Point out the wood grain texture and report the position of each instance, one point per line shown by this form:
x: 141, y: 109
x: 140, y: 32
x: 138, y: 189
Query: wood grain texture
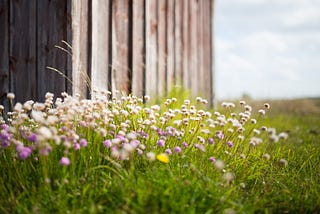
x: 170, y: 45
x: 120, y: 41
x: 178, y: 43
x: 193, y: 51
x: 138, y: 48
x: 23, y: 53
x: 212, y: 53
x: 4, y: 53
x: 151, y: 48
x: 162, y: 47
x: 206, y: 51
x: 49, y: 36
x: 80, y: 46
x: 100, y: 44
x: 186, y: 78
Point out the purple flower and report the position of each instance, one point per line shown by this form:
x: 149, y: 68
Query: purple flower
x: 135, y: 143
x: 33, y: 137
x: 212, y: 159
x: 200, y: 147
x: 107, y: 143
x: 4, y: 127
x: 220, y: 135
x: 140, y: 152
x: 120, y: 137
x: 24, y: 153
x: 44, y: 151
x: 160, y: 133
x: 76, y: 146
x: 210, y: 140
x: 184, y: 144
x: 230, y: 144
x: 160, y: 143
x: 177, y: 149
x: 168, y: 151
x: 83, y: 142
x: 64, y: 161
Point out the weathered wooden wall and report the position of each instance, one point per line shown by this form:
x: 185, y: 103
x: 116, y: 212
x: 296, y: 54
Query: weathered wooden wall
x: 29, y: 31
x: 145, y: 46
x: 135, y: 46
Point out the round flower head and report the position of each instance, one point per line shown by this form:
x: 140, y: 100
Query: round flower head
x: 212, y: 159
x: 160, y: 143
x: 163, y: 157
x: 184, y: 144
x: 24, y: 153
x: 177, y: 149
x: 83, y: 142
x: 64, y: 161
x: 107, y: 143
x: 230, y: 144
x: 210, y: 141
x: 283, y: 162
x: 168, y: 151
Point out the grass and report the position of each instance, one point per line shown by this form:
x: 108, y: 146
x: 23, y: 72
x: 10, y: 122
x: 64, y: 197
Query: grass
x: 130, y: 179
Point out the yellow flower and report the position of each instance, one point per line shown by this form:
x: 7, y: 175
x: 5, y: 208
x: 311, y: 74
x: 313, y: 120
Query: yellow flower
x: 163, y: 158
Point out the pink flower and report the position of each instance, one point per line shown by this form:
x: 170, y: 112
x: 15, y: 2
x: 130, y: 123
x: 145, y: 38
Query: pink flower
x: 64, y: 161
x: 177, y: 149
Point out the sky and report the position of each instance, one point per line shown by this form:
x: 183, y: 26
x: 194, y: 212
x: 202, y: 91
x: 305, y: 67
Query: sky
x: 267, y: 48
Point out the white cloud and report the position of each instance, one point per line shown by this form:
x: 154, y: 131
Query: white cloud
x: 268, y: 48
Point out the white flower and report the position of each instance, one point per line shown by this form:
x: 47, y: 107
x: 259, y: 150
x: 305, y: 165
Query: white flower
x: 151, y: 156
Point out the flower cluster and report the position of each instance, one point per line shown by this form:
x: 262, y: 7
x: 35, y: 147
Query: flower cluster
x: 126, y: 128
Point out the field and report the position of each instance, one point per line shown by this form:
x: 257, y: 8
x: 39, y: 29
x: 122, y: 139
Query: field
x: 173, y: 156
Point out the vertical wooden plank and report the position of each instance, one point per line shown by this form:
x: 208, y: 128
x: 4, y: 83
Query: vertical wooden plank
x: 23, y: 49
x: 138, y: 66
x: 193, y: 53
x: 200, y: 48
x: 120, y: 42
x: 100, y: 44
x: 206, y: 53
x: 68, y: 26
x: 178, y: 44
x: 80, y: 49
x: 186, y: 42
x: 51, y: 30
x: 151, y: 47
x: 4, y: 53
x: 170, y: 45
x: 162, y: 47
x: 212, y: 62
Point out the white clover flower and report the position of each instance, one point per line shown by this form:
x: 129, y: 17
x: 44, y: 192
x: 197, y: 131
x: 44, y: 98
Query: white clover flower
x: 131, y: 136
x: 262, y: 112
x: 248, y: 108
x: 151, y: 156
x: 44, y: 133
x: 228, y: 177
x: 266, y: 105
x: 266, y: 156
x: 283, y: 162
x: 283, y: 135
x: 274, y: 138
x: 11, y: 96
x: 242, y: 102
x: 38, y: 116
x: 39, y: 106
x: 219, y: 164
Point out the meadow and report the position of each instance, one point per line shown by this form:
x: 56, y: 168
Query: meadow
x: 174, y: 155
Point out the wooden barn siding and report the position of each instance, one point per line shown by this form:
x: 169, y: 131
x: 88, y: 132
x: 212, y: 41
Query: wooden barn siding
x: 151, y: 46
x: 136, y: 46
x: 29, y: 31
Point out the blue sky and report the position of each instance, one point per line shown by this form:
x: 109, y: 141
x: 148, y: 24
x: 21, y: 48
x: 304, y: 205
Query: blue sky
x: 267, y: 48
